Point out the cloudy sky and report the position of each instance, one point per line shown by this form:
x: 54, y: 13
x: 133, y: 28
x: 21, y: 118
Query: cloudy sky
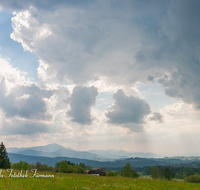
x: 101, y: 74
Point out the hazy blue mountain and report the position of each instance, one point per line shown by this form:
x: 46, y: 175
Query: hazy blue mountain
x: 109, y: 154
x: 48, y: 148
x: 30, y: 152
x: 15, y: 150
x: 79, y: 154
x: 55, y: 150
x: 64, y: 152
x: 119, y: 154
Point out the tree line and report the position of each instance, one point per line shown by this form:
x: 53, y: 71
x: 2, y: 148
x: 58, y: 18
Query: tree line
x: 22, y: 165
x: 176, y: 172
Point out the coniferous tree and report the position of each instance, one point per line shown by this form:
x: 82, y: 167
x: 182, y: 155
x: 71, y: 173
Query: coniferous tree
x: 4, y: 159
x: 82, y: 165
x: 161, y: 173
x: 154, y: 172
x: 127, y: 171
x: 168, y: 174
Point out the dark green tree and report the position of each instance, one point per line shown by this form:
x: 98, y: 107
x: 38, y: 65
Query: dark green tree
x: 147, y: 171
x: 56, y: 168
x: 44, y: 167
x: 135, y: 174
x: 63, y: 167
x: 161, y: 173
x: 168, y: 173
x: 38, y: 166
x: 31, y: 166
x: 4, y: 159
x: 127, y: 171
x: 154, y: 172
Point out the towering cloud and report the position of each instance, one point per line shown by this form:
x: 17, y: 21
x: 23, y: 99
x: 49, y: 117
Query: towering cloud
x: 127, y: 109
x: 81, y: 101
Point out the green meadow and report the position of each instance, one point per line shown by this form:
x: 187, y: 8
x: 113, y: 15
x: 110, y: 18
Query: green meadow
x: 84, y: 181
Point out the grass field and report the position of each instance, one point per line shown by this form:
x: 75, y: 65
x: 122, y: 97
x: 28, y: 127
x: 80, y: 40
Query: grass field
x: 83, y: 181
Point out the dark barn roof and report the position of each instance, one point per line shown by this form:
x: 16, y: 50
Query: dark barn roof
x: 97, y: 171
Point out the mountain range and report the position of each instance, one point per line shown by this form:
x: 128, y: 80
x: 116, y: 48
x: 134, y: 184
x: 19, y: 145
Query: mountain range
x: 55, y: 150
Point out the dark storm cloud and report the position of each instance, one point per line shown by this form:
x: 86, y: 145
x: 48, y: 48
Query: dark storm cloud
x: 157, y: 117
x: 172, y: 55
x: 127, y: 109
x: 181, y: 25
x: 24, y: 101
x: 184, y: 85
x: 81, y: 101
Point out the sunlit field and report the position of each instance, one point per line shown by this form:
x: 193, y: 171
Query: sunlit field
x: 83, y: 181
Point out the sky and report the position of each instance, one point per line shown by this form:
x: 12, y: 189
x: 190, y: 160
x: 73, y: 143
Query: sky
x: 101, y: 74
